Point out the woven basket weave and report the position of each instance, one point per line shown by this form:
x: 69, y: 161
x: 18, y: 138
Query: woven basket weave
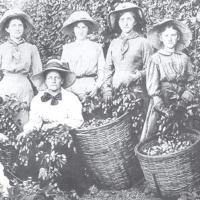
x: 173, y: 173
x: 108, y: 153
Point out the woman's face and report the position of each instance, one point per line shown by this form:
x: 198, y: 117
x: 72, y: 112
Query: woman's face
x: 15, y: 28
x: 127, y: 22
x: 81, y: 31
x: 53, y: 81
x: 169, y: 37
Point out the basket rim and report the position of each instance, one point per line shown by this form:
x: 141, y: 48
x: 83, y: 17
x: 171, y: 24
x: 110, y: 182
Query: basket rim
x: 137, y: 152
x: 104, y: 125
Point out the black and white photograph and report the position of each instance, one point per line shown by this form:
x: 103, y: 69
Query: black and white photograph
x: 99, y: 99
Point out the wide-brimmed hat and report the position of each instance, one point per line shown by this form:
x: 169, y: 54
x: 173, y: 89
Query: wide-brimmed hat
x: 123, y: 7
x: 12, y: 13
x: 185, y: 34
x: 55, y: 65
x: 79, y: 16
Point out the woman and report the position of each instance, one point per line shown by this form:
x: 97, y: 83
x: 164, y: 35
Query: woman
x: 168, y: 70
x: 128, y: 54
x: 85, y: 58
x: 54, y: 105
x: 18, y: 58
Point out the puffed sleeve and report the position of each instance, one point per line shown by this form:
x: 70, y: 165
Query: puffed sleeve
x: 0, y: 56
x: 153, y: 80
x: 109, y: 70
x: 189, y: 70
x: 188, y: 93
x: 35, y: 121
x: 64, y: 55
x: 36, y: 66
x: 101, y: 67
x: 147, y: 51
x: 73, y: 118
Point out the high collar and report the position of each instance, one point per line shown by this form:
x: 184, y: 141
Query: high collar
x: 81, y: 41
x: 54, y: 94
x: 131, y: 35
x: 168, y: 53
x: 16, y: 43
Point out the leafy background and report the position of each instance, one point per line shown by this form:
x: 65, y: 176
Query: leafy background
x: 49, y: 15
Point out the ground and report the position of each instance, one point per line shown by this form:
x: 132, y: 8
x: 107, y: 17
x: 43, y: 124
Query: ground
x: 136, y: 192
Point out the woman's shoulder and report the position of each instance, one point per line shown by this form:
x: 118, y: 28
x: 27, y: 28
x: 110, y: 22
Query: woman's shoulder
x: 38, y: 96
x: 69, y: 96
x: 144, y: 41
x: 28, y: 44
x: 5, y: 45
x: 115, y: 40
x: 155, y: 58
x: 66, y: 45
x: 96, y: 44
x: 68, y: 93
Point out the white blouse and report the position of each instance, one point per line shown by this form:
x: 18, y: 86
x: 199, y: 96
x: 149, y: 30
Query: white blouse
x: 85, y: 58
x: 67, y: 112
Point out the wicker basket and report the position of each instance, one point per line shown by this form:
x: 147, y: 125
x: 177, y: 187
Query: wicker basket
x: 173, y: 173
x: 108, y: 153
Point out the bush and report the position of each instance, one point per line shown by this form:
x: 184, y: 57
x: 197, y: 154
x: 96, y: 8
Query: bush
x: 49, y: 15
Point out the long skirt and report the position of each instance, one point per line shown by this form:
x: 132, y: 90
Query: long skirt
x: 19, y: 86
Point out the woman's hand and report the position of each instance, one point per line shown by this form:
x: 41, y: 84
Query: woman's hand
x: 22, y: 135
x: 3, y: 138
x: 187, y: 96
x: 137, y: 75
x: 93, y: 92
x: 107, y: 95
x: 51, y: 125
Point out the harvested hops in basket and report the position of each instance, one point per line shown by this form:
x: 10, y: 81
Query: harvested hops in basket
x: 175, y: 172
x: 107, y: 139
x: 108, y: 152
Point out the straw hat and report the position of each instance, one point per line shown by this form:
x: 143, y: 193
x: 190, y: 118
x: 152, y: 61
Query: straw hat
x: 79, y: 16
x: 185, y: 34
x: 12, y: 13
x: 57, y: 65
x: 122, y: 7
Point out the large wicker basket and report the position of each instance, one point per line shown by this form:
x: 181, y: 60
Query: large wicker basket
x: 173, y: 173
x: 108, y: 153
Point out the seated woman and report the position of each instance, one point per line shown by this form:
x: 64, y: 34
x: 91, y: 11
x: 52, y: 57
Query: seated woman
x: 54, y: 105
x: 169, y: 69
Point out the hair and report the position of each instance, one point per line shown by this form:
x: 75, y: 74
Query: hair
x: 140, y: 23
x: 167, y: 25
x: 19, y: 18
x: 8, y: 22
x: 87, y: 23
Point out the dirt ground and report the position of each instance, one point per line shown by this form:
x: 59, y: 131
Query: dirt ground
x: 136, y: 192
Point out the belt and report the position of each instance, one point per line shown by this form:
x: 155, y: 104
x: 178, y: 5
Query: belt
x: 13, y: 72
x: 87, y: 76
